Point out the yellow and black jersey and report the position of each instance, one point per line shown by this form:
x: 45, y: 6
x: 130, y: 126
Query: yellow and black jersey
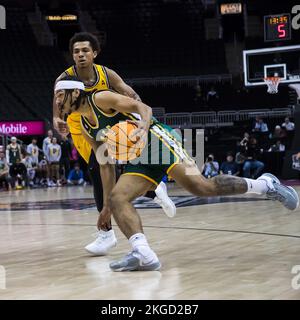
x: 101, y: 83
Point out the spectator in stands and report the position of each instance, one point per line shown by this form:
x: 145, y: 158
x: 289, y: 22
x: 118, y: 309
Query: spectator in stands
x: 210, y: 168
x: 53, y: 154
x: 76, y: 176
x: 33, y: 151
x: 18, y: 174
x: 297, y: 155
x: 245, y: 140
x: 251, y: 163
x: 278, y: 133
x: 277, y: 147
x: 260, y: 125
x: 198, y: 95
x: 27, y: 161
x: 47, y: 141
x: 288, y: 125
x: 290, y: 131
x: 42, y: 172
x: 241, y: 149
x: 65, y: 157
x: 261, y: 131
x: 230, y: 166
x: 3, y: 170
x: 212, y: 97
x: 296, y: 162
x: 13, y: 152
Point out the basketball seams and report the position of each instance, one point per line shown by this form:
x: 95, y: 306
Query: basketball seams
x: 120, y: 150
x: 126, y: 134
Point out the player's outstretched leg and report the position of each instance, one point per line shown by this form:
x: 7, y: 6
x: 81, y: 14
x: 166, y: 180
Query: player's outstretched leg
x: 191, y: 179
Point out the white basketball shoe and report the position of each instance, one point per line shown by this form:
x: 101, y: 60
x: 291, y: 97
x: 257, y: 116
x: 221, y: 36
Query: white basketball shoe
x: 164, y: 201
x: 104, y: 242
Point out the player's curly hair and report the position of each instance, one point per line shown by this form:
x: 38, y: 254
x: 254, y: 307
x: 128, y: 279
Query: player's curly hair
x: 85, y: 36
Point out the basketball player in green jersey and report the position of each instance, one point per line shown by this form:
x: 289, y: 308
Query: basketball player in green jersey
x: 102, y: 110
x: 84, y: 48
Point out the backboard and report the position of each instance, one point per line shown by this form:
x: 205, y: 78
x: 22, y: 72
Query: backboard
x: 283, y: 62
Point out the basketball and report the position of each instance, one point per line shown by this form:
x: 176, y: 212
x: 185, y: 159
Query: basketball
x: 121, y: 142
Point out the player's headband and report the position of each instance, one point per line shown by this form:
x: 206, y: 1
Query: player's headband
x: 68, y: 84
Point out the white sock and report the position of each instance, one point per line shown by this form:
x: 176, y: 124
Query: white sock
x: 140, y: 244
x: 256, y: 186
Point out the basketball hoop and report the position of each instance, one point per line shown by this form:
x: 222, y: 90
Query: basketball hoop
x: 272, y: 83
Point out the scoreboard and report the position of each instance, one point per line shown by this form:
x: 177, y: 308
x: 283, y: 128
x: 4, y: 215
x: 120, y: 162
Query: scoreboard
x: 277, y: 27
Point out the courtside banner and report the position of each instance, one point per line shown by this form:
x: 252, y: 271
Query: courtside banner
x: 22, y: 128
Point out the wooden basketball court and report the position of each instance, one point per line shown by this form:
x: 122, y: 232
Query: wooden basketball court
x: 227, y: 250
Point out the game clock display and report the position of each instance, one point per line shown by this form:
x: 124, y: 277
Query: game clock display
x: 277, y: 27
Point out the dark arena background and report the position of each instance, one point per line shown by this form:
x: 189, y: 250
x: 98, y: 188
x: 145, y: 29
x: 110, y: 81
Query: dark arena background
x: 206, y: 68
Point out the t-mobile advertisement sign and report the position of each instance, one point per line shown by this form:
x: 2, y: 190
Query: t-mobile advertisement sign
x: 22, y: 128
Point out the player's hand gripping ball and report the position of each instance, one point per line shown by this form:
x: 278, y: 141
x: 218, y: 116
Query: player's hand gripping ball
x: 124, y: 141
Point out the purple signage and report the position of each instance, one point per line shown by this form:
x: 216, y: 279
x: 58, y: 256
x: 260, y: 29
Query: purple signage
x: 22, y: 128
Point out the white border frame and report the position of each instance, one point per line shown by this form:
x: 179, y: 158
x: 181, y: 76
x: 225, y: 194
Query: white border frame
x: 270, y: 50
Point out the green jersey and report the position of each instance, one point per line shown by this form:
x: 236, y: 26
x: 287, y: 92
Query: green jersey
x: 157, y: 158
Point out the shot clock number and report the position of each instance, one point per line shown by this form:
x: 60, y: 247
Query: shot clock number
x: 281, y: 31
